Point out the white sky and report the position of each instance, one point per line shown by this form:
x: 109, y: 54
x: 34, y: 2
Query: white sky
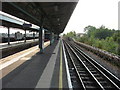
x: 95, y: 13
x: 91, y: 12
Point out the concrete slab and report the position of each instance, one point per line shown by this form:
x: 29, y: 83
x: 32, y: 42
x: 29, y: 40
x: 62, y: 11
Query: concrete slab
x: 56, y: 75
x: 39, y: 71
x: 45, y: 79
x: 28, y: 73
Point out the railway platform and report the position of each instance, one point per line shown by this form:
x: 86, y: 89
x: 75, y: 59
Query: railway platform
x: 61, y: 65
x: 36, y: 70
x: 5, y: 45
x: 55, y: 64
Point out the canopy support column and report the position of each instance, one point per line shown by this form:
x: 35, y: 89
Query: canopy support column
x: 50, y: 37
x: 41, y: 36
x: 25, y: 36
x: 8, y: 35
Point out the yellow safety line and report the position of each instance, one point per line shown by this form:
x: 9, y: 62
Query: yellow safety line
x: 60, y: 72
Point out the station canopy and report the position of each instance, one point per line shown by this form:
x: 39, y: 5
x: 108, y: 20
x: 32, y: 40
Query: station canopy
x: 53, y: 16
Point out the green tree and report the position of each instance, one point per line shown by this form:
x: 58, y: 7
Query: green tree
x: 118, y: 48
x: 116, y: 35
x: 71, y: 34
x: 90, y: 30
x: 103, y: 33
x: 103, y: 38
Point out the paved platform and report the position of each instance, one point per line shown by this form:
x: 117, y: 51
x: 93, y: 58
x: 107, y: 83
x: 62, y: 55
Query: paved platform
x: 46, y: 70
x: 9, y: 63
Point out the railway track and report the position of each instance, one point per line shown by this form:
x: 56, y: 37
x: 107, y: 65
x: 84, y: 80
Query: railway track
x: 86, y: 73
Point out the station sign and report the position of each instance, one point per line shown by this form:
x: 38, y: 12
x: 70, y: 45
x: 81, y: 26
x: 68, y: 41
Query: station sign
x: 25, y: 25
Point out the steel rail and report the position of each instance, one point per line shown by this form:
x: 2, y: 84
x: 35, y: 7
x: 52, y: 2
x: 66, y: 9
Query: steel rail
x: 99, y: 65
x: 67, y: 69
x: 75, y: 67
x: 85, y: 56
x: 86, y: 67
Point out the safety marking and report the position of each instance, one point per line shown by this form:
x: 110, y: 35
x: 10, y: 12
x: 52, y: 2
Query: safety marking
x: 46, y: 77
x: 16, y: 59
x: 67, y: 69
x: 3, y: 65
x: 60, y: 72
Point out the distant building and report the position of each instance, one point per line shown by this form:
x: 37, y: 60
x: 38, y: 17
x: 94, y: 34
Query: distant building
x: 80, y: 34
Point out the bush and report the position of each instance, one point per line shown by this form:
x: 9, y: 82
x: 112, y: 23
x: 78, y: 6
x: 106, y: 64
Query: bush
x: 102, y: 38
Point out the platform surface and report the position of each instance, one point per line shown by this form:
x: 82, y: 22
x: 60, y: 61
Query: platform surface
x: 45, y: 70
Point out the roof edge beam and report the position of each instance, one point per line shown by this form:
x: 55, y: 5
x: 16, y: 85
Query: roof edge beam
x: 24, y: 11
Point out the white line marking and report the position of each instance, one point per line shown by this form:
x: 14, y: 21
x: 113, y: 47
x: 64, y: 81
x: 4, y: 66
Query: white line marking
x: 18, y: 58
x: 67, y: 70
x: 45, y: 79
x: 15, y: 59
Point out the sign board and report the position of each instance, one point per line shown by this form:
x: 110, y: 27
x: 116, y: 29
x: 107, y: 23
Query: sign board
x: 25, y: 25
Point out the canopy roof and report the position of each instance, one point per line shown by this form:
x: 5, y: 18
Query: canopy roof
x: 55, y: 15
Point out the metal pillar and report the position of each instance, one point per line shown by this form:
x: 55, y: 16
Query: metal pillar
x: 50, y: 38
x: 25, y: 36
x: 33, y: 36
x: 57, y: 36
x: 41, y: 39
x: 53, y: 37
x: 8, y: 35
x: 36, y: 35
x: 41, y: 35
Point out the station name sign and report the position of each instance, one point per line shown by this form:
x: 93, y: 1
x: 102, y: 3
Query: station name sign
x: 25, y: 25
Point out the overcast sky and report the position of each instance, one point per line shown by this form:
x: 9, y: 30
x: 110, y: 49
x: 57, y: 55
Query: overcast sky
x: 95, y: 13
x: 92, y: 12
